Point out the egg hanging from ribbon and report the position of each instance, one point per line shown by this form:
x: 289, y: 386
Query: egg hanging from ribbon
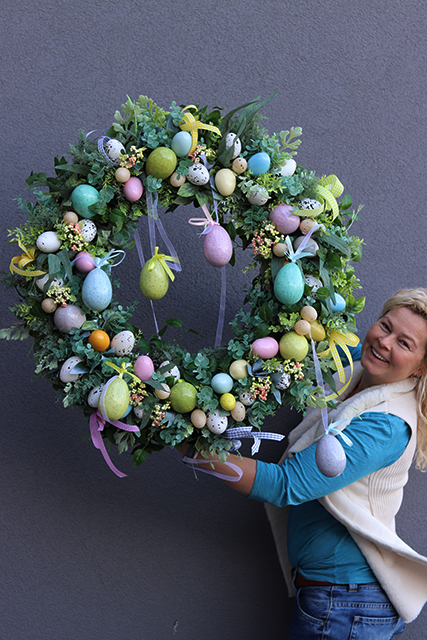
x: 97, y: 290
x: 330, y: 456
x: 153, y: 281
x: 217, y: 246
x: 289, y: 284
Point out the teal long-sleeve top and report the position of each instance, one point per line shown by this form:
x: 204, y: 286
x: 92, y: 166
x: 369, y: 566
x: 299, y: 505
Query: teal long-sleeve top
x: 319, y: 546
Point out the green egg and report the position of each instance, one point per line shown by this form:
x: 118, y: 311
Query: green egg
x: 289, y: 284
x: 183, y: 397
x: 153, y: 283
x: 293, y: 346
x: 114, y: 399
x: 161, y: 163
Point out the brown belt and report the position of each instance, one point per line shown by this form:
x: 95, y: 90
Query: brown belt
x: 300, y: 581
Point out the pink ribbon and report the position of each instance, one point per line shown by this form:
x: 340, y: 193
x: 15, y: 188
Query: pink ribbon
x: 97, y: 424
x: 208, y: 221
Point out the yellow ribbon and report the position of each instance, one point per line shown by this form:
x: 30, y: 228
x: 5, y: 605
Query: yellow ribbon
x: 328, y: 190
x: 22, y: 261
x: 161, y: 257
x: 123, y: 369
x: 193, y: 125
x: 342, y: 339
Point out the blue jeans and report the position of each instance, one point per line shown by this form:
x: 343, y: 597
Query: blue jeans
x: 350, y: 612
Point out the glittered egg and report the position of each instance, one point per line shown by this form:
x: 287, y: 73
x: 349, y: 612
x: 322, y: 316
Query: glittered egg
x: 94, y: 395
x: 97, y: 291
x: 239, y: 165
x: 238, y: 369
x: 217, y: 246
x: 289, y: 284
x: 232, y: 140
x: 123, y: 343
x: 246, y: 398
x: 48, y: 242
x: 113, y: 149
x: 144, y: 368
x: 288, y: 169
x: 338, y: 305
x: 114, y: 399
x: 283, y: 219
x: 69, y: 317
x: 238, y: 412
x: 293, y: 346
x: 198, y: 418
x: 258, y: 197
x: 222, y: 383
x: 183, y: 397
x: 330, y: 456
x: 84, y: 262
x: 313, y: 282
x: 225, y: 182
x: 259, y: 163
x: 215, y: 422
x: 82, y: 197
x: 161, y: 163
x: 181, y: 143
x: 65, y: 374
x: 89, y: 229
x: 265, y: 348
x: 198, y: 174
x: 132, y: 189
x: 311, y: 247
x: 153, y: 281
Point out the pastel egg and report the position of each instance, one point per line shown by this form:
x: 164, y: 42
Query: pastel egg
x: 161, y: 163
x: 307, y: 224
x: 144, y: 368
x: 48, y: 242
x: 232, y: 140
x: 49, y: 306
x: 181, y: 143
x: 198, y: 174
x: 69, y: 317
x: 183, y: 397
x: 317, y: 331
x: 280, y: 249
x: 302, y: 327
x: 94, y: 395
x: 84, y: 262
x: 132, y: 189
x: 222, y: 383
x: 330, y: 456
x: 259, y: 196
x: 217, y: 246
x: 238, y: 369
x: 113, y: 149
x: 65, y: 374
x: 177, y: 180
x: 163, y: 393
x: 289, y: 284
x: 82, y: 197
x: 283, y: 219
x: 173, y: 372
x: 215, y: 422
x: 114, y: 399
x: 311, y: 247
x: 122, y: 174
x: 338, y: 305
x: 239, y: 165
x: 97, y: 291
x: 123, y: 343
x: 70, y: 217
x: 238, y: 412
x: 246, y: 398
x: 225, y: 182
x: 288, y: 169
x: 259, y: 163
x: 293, y: 346
x: 42, y: 281
x: 308, y: 313
x: 265, y: 347
x: 153, y: 281
x: 89, y: 229
x: 313, y: 282
x: 198, y: 418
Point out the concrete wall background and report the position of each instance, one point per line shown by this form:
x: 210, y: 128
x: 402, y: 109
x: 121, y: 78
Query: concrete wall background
x: 161, y: 554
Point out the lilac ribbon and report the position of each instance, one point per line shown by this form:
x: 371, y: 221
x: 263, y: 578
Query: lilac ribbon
x: 246, y: 432
x: 153, y: 222
x: 191, y: 462
x: 97, y: 424
x: 207, y: 221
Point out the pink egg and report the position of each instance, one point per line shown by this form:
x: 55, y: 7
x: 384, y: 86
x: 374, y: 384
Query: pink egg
x: 265, y: 348
x: 85, y: 262
x: 283, y: 219
x: 144, y: 367
x: 132, y: 189
x: 217, y: 246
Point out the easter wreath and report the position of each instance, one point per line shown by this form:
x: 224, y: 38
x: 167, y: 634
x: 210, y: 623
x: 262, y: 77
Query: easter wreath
x: 143, y: 393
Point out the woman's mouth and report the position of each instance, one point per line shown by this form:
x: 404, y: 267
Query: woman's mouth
x: 377, y: 355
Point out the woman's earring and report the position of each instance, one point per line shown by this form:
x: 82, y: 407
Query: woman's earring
x: 416, y: 376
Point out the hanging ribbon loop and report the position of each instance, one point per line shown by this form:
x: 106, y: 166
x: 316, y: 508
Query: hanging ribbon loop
x: 192, y: 125
x: 161, y: 259
x: 97, y: 424
x: 208, y: 222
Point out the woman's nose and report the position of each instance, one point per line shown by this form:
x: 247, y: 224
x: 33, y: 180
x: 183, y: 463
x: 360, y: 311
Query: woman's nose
x: 386, y: 341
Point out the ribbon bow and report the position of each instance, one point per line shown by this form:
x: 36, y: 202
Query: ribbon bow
x: 208, y: 221
x: 97, y: 424
x: 328, y: 190
x: 22, y: 261
x: 342, y: 339
x: 235, y: 433
x: 123, y: 369
x: 300, y: 253
x: 161, y: 257
x: 193, y: 125
x: 332, y: 430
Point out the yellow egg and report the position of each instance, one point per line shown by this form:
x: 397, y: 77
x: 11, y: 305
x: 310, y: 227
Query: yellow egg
x: 302, y: 327
x: 198, y: 418
x: 154, y: 282
x: 293, y: 346
x: 238, y: 369
x: 308, y: 313
x: 238, y: 412
x: 114, y: 399
x: 317, y: 331
x: 225, y: 182
x: 227, y: 401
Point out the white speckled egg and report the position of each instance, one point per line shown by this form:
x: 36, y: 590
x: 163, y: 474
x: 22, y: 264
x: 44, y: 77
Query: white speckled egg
x: 65, y: 374
x: 246, y: 398
x: 233, y: 139
x: 313, y: 282
x: 330, y: 456
x: 42, y: 281
x: 288, y: 169
x: 123, y: 343
x: 198, y: 174
x: 112, y: 149
x: 238, y: 412
x: 139, y: 412
x: 259, y: 197
x: 174, y: 371
x: 309, y: 203
x: 284, y: 382
x: 89, y: 229
x: 215, y: 422
x: 94, y: 396
x: 48, y: 242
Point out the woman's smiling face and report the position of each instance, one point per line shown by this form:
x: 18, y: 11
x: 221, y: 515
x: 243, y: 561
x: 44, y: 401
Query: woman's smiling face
x: 394, y: 348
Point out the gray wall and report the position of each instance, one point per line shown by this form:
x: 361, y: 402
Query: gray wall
x: 161, y: 554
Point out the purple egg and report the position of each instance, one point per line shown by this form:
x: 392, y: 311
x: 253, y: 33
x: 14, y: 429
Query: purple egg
x: 69, y: 317
x: 330, y: 456
x: 283, y: 219
x: 132, y: 189
x: 217, y: 246
x: 85, y: 262
x: 265, y: 348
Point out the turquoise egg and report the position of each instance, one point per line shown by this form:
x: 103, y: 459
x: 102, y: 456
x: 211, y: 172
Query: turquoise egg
x: 339, y: 303
x: 181, y: 143
x: 97, y: 291
x: 289, y: 284
x: 82, y: 197
x: 222, y: 383
x: 259, y: 163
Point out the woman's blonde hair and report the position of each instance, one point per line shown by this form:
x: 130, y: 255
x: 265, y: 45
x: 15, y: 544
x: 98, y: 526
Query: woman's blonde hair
x: 416, y: 301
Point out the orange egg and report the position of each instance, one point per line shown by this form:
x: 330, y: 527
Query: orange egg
x: 99, y: 340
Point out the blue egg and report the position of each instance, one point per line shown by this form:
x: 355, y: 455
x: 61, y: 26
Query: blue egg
x: 289, y: 284
x: 97, y: 291
x: 82, y: 197
x: 181, y: 143
x: 339, y: 303
x: 259, y: 163
x: 222, y: 383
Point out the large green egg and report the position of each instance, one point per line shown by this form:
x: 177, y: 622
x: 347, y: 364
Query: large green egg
x: 153, y: 283
x: 161, y: 163
x: 82, y: 197
x: 289, y: 284
x: 183, y: 397
x: 114, y: 399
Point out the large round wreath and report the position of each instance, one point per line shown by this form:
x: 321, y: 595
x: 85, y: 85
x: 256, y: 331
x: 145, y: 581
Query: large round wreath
x: 143, y: 393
